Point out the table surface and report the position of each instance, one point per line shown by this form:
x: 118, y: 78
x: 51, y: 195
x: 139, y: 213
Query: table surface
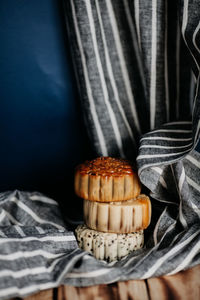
x: 184, y: 285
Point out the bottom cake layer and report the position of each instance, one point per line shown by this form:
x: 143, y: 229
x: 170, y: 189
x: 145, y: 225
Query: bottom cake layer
x: 108, y: 246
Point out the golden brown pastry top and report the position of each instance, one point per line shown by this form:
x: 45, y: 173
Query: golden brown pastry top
x: 106, y: 166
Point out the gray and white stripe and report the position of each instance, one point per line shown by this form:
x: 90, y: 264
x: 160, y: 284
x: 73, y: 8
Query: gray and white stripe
x: 159, y: 34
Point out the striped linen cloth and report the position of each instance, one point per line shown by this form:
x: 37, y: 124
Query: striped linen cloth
x: 137, y: 67
x: 35, y: 246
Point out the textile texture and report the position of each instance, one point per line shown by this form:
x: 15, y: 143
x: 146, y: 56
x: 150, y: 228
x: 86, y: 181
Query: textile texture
x: 137, y: 67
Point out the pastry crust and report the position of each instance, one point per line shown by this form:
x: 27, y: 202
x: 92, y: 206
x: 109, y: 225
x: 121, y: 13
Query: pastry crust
x: 118, y: 217
x: 108, y: 246
x: 107, y: 179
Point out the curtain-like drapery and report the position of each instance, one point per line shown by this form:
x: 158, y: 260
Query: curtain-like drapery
x: 137, y: 66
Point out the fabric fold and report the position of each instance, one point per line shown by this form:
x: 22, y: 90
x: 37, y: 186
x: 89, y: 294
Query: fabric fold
x: 143, y: 56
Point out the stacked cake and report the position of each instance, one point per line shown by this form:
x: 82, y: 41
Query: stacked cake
x: 115, y: 213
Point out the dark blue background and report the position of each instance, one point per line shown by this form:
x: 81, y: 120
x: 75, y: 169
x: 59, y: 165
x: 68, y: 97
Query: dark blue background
x: 41, y: 134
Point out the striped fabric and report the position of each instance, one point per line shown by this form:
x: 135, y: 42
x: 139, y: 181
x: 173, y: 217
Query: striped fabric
x: 35, y: 246
x: 137, y: 68
x: 133, y: 66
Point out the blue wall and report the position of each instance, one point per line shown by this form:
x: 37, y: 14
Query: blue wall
x: 41, y: 134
